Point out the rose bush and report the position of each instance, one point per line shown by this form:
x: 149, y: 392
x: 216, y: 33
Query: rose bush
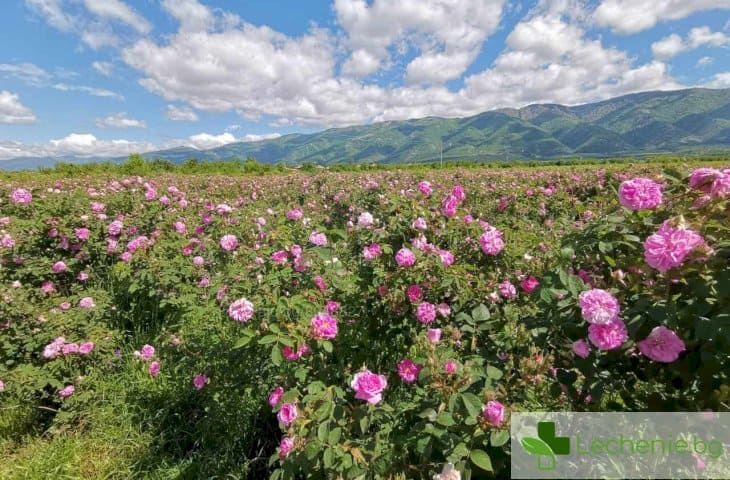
x: 344, y: 325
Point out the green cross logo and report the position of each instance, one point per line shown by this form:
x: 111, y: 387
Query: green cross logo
x: 546, y: 445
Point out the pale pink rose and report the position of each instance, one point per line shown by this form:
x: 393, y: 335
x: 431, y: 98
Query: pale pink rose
x: 369, y: 386
x: 662, y: 345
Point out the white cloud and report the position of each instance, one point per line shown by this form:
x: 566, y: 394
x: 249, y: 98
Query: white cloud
x: 120, y: 120
x: 25, y: 72
x: 631, y: 16
x: 181, y: 114
x: 720, y: 80
x: 105, y: 68
x: 704, y: 61
x: 549, y: 57
x: 120, y: 11
x: 203, y: 141
x: 193, y: 16
x: 98, y: 38
x: 97, y: 92
x: 697, y: 37
x: 97, y: 23
x: 252, y: 137
x: 12, y: 111
x: 668, y: 47
x: 52, y: 12
x: 447, y: 33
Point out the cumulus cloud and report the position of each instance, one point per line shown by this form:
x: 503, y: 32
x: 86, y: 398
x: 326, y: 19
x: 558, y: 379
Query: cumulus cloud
x: 672, y: 45
x: 203, y: 141
x: 549, y: 56
x: 632, y: 16
x: 78, y: 144
x: 181, y: 114
x: 720, y: 80
x: 12, y: 111
x: 447, y: 33
x: 120, y: 120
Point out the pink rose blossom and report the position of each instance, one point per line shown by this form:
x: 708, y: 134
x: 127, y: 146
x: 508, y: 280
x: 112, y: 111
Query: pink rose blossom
x: 530, y: 284
x: 66, y: 391
x: 491, y: 241
x: 415, y: 293
x: 408, y: 370
x: 285, y: 446
x: 58, y: 267
x: 640, y: 194
x: 21, y: 196
x: 493, y: 411
x: 241, y: 310
x: 154, y: 368
x: 86, y: 348
x: 450, y: 367
x: 598, y: 306
x: 581, y: 348
x: 229, y: 242
x: 87, y: 302
x: 287, y: 414
x: 607, y: 336
x: 323, y: 326
x: 199, y: 381
x: 369, y: 386
x: 371, y: 252
x: 405, y: 258
x: 434, y: 335
x: 670, y: 246
x: 662, y: 345
x: 275, y: 396
x: 318, y: 239
x: 426, y: 312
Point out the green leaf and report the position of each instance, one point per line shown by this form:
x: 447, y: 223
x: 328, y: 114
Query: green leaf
x: 481, y: 459
x: 268, y: 339
x: 498, y: 437
x: 276, y: 357
x: 535, y: 446
x: 242, y: 342
x: 494, y: 372
x: 327, y: 346
x: 445, y: 419
x: 472, y: 403
x: 334, y: 435
x: 323, y: 432
x: 480, y: 313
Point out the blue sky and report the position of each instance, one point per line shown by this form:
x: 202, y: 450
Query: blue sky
x: 110, y: 77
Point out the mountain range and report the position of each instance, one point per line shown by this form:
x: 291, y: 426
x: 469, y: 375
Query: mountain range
x: 690, y: 120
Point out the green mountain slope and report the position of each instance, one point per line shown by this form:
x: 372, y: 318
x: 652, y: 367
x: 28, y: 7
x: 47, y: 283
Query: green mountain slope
x: 648, y: 122
x: 696, y: 119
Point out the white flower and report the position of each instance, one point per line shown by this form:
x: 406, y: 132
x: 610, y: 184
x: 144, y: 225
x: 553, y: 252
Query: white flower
x: 448, y: 473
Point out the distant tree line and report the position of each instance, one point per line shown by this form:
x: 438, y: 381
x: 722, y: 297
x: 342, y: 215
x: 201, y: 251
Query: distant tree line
x: 138, y: 165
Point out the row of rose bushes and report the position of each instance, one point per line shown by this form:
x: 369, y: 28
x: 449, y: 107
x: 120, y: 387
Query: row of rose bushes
x: 403, y: 320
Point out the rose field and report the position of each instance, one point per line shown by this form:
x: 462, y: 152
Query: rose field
x: 350, y: 325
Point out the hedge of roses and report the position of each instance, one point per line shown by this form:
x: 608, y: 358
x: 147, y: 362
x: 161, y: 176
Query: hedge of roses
x: 384, y: 325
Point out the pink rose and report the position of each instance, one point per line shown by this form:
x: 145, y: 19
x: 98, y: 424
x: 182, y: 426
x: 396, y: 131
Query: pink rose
x: 287, y: 414
x: 369, y: 386
x: 493, y: 411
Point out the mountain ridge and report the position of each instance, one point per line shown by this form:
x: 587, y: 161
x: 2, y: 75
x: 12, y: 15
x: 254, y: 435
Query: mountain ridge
x: 672, y: 121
